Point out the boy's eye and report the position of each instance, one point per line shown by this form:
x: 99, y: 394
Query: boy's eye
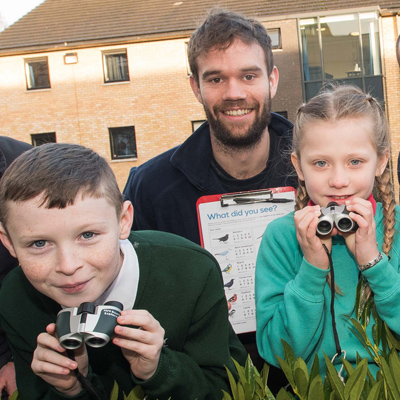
x: 39, y: 243
x: 87, y: 235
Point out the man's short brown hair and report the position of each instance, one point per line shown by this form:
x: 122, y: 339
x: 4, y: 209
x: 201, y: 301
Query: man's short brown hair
x: 220, y: 29
x: 58, y: 171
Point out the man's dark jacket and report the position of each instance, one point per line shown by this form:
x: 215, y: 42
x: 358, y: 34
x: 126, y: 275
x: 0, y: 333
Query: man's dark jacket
x: 165, y: 189
x: 10, y: 149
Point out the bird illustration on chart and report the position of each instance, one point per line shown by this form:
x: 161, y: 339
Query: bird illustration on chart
x: 231, y: 312
x: 233, y: 299
x: 229, y: 284
x: 223, y: 253
x: 227, y: 269
x: 222, y: 238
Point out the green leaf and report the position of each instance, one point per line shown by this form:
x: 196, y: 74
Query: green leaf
x: 290, y: 358
x: 250, y: 372
x: 269, y: 395
x: 240, y: 389
x: 136, y: 393
x: 392, y: 338
x: 388, y: 377
x: 241, y: 370
x: 347, y: 367
x: 14, y: 396
x: 356, y: 381
x: 301, y: 377
x: 301, y: 382
x: 332, y: 375
x: 233, y: 385
x: 375, y: 392
x: 394, y: 364
x: 114, y: 391
x: 287, y: 371
x: 284, y: 395
x: 316, y: 390
x: 314, y: 368
x: 227, y: 396
x: 264, y: 377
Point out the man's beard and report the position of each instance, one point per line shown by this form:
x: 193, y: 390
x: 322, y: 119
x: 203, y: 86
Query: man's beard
x: 244, y: 141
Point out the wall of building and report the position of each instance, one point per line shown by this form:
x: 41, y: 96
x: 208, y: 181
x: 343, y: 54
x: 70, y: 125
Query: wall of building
x: 158, y: 100
x: 390, y: 34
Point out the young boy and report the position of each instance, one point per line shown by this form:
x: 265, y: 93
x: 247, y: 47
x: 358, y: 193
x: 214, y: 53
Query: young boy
x: 63, y: 217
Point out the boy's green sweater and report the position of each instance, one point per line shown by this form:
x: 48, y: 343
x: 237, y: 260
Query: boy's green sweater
x: 180, y: 284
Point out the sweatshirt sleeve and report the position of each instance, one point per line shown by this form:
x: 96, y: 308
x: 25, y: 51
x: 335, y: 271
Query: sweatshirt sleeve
x: 289, y: 295
x: 198, y: 371
x: 384, y: 280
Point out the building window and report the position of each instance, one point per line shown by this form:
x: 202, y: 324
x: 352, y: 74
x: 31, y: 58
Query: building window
x: 41, y: 138
x: 37, y: 73
x: 115, y: 64
x: 196, y: 124
x: 123, y: 142
x: 275, y: 35
x: 342, y: 48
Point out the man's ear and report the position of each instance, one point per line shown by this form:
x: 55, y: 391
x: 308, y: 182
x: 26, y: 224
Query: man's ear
x: 5, y: 239
x: 273, y: 82
x: 126, y: 220
x: 297, y: 166
x: 196, y: 89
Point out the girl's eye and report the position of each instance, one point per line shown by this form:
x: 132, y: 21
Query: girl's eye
x: 320, y: 163
x: 87, y: 235
x: 355, y: 162
x: 39, y: 243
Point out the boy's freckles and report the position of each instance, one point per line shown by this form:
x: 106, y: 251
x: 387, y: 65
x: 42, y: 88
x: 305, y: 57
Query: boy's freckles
x: 71, y: 255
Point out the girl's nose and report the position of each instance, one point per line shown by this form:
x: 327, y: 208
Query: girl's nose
x: 338, y: 179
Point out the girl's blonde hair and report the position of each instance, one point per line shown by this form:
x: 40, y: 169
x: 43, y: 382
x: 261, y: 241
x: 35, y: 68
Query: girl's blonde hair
x: 345, y: 102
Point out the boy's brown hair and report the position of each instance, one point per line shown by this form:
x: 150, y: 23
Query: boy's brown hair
x: 58, y: 171
x: 220, y: 29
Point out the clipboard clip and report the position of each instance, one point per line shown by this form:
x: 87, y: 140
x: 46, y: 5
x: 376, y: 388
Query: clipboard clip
x: 262, y: 196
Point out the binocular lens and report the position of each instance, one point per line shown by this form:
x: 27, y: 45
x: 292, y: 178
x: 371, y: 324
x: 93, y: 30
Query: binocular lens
x: 324, y: 227
x: 71, y: 344
x: 96, y: 342
x: 345, y: 224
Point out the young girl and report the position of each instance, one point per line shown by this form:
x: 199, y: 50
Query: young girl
x: 340, y: 151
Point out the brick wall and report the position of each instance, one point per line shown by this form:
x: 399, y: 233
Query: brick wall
x: 392, y: 72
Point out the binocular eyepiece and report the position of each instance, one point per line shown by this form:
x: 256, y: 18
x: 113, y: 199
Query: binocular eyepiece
x: 92, y: 324
x: 335, y: 215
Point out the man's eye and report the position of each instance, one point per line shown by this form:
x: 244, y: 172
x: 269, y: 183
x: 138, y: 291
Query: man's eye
x: 249, y: 77
x: 39, y: 243
x: 87, y: 235
x: 216, y: 80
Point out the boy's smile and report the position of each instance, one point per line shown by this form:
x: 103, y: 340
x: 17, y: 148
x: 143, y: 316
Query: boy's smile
x: 71, y: 255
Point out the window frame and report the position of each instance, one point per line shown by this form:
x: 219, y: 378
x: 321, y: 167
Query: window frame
x: 114, y: 154
x: 41, y: 137
x: 106, y: 75
x: 28, y: 78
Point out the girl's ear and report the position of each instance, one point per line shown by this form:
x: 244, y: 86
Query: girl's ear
x: 5, y: 239
x: 296, y: 164
x: 381, y: 164
x: 126, y: 220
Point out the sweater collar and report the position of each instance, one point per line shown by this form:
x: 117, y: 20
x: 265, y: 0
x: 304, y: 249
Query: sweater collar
x: 370, y: 199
